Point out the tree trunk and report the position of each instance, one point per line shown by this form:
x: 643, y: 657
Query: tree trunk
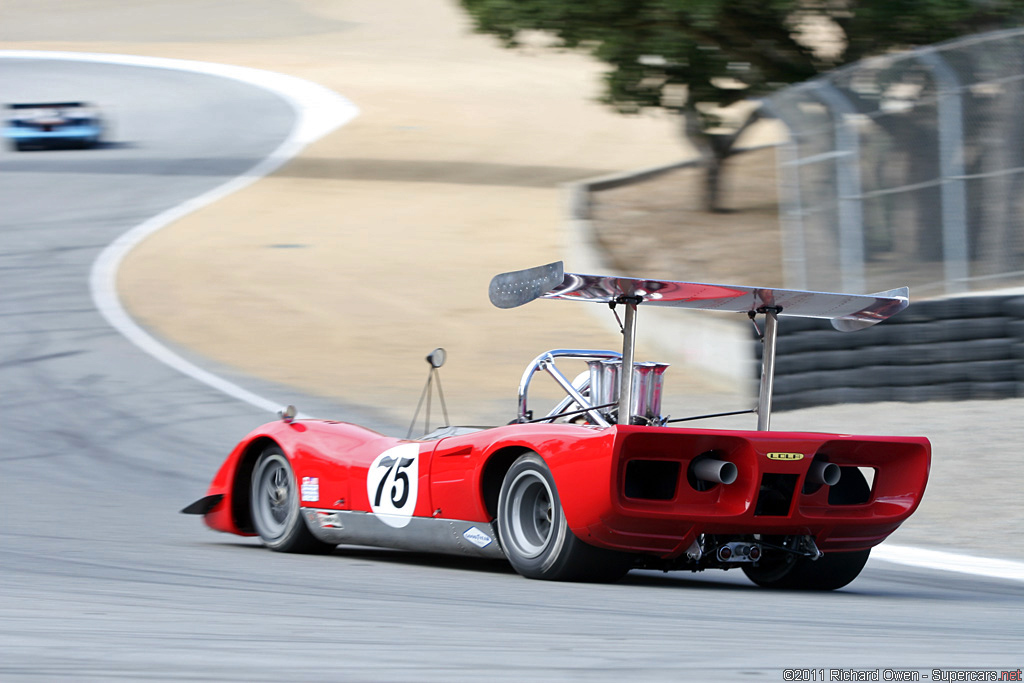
x: 714, y: 149
x: 712, y: 181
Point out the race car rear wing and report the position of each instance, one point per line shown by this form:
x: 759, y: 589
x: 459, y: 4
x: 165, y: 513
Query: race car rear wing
x: 847, y: 312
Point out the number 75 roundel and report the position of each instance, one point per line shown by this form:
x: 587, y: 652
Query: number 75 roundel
x: 391, y: 484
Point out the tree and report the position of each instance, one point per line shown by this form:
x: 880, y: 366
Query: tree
x: 724, y: 51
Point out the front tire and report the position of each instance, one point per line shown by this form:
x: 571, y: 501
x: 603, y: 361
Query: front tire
x: 535, y: 536
x: 274, y: 503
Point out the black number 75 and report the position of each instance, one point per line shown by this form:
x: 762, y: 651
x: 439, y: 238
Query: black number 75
x: 397, y: 465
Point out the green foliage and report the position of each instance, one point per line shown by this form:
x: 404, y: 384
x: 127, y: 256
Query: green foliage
x: 710, y: 45
x: 881, y: 25
x: 723, y: 51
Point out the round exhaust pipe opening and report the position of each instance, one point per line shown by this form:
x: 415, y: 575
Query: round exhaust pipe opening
x: 820, y: 473
x: 823, y: 472
x: 706, y: 470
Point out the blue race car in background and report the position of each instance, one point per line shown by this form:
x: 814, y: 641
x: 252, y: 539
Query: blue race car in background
x: 52, y: 124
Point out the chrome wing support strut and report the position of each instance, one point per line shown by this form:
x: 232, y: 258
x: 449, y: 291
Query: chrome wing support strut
x: 628, y: 348
x: 764, y: 399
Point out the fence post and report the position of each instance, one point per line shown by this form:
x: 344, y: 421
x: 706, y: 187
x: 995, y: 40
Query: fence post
x: 951, y: 170
x: 787, y: 171
x: 851, y: 216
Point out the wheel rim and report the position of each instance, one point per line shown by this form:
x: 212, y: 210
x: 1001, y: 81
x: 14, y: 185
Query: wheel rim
x: 531, y: 514
x: 273, y: 496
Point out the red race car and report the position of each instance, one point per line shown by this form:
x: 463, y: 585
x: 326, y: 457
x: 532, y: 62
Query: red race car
x: 602, y: 483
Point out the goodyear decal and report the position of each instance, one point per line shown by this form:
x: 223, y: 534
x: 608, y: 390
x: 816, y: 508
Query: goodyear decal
x: 477, y: 537
x: 786, y: 456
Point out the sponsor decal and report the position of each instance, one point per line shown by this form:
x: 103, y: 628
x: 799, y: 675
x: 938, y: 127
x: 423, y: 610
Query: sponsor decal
x: 477, y: 537
x: 310, y: 489
x: 329, y: 520
x: 391, y: 484
x: 785, y: 456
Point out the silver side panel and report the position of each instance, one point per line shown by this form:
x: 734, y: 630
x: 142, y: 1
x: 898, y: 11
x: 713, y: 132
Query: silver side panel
x: 422, y: 534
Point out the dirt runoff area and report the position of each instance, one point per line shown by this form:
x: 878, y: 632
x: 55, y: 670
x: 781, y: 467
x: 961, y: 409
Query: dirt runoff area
x: 452, y: 173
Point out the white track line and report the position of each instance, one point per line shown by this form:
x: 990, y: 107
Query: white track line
x: 319, y: 111
x: 949, y: 562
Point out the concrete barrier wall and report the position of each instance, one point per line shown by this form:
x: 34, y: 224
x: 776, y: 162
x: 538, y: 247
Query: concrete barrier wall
x: 949, y: 349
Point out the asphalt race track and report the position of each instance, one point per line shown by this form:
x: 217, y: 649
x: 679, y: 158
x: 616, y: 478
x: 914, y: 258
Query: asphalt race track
x: 101, y: 578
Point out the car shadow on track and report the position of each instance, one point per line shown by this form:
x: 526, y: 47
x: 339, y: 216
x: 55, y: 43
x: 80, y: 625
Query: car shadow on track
x: 638, y: 578
x: 476, y: 564
x: 408, y: 557
x: 677, y: 580
x: 893, y: 585
x: 72, y: 146
x: 116, y: 144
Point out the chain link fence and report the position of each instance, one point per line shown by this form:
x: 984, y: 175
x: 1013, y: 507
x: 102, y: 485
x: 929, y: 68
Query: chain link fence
x: 907, y: 169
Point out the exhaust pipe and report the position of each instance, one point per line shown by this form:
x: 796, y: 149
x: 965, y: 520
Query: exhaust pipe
x: 716, y: 471
x: 822, y: 472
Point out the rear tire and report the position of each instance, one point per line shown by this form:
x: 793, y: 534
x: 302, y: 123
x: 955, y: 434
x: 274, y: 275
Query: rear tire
x: 535, y: 536
x: 274, y: 503
x: 785, y: 571
x: 782, y: 570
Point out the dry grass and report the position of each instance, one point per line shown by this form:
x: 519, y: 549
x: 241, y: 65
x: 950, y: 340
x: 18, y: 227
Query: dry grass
x: 659, y: 228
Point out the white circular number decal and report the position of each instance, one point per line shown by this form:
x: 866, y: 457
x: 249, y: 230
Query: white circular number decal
x: 391, y: 484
